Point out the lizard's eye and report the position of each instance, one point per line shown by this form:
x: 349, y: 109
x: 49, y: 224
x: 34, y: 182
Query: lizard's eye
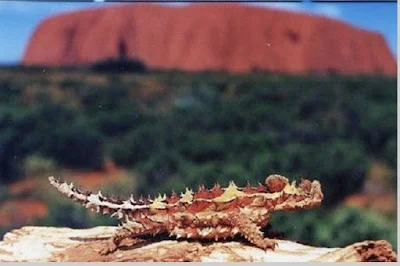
x: 276, y: 183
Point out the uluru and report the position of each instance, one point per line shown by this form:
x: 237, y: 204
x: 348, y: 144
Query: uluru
x: 210, y: 37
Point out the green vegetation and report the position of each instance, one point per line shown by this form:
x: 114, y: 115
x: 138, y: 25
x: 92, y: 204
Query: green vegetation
x: 335, y: 228
x: 183, y: 129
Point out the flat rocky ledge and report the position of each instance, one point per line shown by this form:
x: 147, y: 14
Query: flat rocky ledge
x: 34, y: 244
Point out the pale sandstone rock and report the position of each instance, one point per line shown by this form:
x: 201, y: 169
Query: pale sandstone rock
x: 34, y: 244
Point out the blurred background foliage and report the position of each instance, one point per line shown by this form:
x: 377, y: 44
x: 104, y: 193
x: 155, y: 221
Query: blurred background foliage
x: 172, y: 130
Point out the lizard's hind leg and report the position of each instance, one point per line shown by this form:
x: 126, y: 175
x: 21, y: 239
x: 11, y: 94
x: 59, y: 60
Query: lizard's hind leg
x: 127, y: 232
x: 115, y: 241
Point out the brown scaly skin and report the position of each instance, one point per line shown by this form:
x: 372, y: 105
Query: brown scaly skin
x: 216, y: 213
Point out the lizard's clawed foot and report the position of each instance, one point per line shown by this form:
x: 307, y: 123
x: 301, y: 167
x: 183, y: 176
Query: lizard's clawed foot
x: 112, y: 246
x: 269, y: 244
x: 108, y: 248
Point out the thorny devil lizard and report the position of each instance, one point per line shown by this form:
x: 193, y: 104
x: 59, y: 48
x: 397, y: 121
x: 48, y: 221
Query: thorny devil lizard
x: 216, y: 213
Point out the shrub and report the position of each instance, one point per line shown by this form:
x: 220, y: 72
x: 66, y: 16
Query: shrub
x: 37, y: 165
x: 77, y: 146
x: 390, y: 152
x: 9, y: 156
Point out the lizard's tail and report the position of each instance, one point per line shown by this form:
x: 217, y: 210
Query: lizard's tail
x: 69, y: 191
x: 96, y: 202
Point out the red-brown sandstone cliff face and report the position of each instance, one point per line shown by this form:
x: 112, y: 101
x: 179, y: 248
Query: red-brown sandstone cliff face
x: 236, y: 38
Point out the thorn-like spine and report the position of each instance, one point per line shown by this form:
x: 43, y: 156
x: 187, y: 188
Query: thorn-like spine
x: 216, y: 187
x: 132, y: 200
x: 148, y: 200
x: 141, y: 201
x: 100, y: 196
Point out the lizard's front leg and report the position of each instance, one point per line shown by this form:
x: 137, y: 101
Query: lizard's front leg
x: 252, y: 232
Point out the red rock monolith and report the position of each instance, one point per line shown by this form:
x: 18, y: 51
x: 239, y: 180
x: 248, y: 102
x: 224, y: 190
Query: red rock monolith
x: 199, y: 37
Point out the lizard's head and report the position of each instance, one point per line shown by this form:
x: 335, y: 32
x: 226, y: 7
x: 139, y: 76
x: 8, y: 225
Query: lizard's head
x: 305, y: 195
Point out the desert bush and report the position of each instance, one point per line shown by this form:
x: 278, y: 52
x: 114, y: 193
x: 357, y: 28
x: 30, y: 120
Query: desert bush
x: 76, y: 146
x: 378, y: 124
x: 390, y: 151
x: 96, y: 100
x: 119, y: 121
x: 35, y: 165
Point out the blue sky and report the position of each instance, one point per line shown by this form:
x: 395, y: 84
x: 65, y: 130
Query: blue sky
x: 19, y: 19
